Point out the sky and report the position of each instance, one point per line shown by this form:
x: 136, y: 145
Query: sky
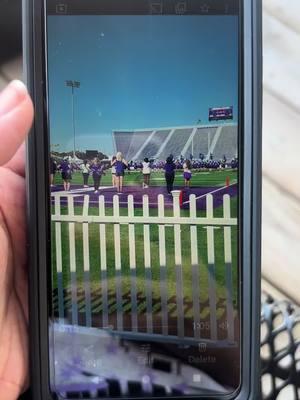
x: 137, y: 72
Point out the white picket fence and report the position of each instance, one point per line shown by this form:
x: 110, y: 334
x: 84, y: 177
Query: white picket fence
x: 226, y: 222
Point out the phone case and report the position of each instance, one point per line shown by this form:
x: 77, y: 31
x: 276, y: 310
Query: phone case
x: 38, y: 192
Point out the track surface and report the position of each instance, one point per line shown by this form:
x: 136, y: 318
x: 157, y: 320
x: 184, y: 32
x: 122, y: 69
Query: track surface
x: 109, y: 192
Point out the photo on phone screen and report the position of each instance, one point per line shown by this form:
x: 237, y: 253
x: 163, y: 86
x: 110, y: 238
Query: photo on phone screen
x: 143, y: 117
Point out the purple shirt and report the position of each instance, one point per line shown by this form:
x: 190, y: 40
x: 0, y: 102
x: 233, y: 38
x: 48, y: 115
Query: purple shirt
x: 65, y: 167
x: 169, y: 168
x: 97, y: 169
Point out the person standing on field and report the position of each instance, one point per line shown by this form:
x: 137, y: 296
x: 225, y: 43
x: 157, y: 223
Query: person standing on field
x: 113, y: 171
x: 85, y: 168
x: 97, y: 171
x: 146, y: 173
x: 187, y: 174
x: 121, y: 164
x: 53, y: 169
x: 170, y: 173
x: 66, y: 173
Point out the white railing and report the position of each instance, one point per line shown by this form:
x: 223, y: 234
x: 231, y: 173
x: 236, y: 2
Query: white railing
x: 226, y: 222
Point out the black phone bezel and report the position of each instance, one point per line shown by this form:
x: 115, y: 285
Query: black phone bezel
x: 38, y: 195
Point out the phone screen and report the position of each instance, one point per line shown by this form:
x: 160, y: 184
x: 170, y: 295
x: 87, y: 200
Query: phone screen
x: 143, y: 101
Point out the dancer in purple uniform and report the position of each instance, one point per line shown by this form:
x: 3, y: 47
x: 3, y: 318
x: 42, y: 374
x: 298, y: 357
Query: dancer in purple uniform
x: 120, y: 164
x: 97, y: 170
x: 66, y: 173
x: 187, y: 174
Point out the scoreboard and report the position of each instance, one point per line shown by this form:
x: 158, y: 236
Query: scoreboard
x: 220, y: 113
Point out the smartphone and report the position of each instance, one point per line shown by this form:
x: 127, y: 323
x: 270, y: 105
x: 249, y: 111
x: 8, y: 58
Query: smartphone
x: 143, y: 178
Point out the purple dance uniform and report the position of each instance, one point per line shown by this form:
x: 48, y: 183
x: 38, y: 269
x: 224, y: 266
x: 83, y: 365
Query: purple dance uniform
x: 66, y: 171
x: 97, y: 172
x: 120, y: 168
x: 96, y: 169
x: 187, y: 175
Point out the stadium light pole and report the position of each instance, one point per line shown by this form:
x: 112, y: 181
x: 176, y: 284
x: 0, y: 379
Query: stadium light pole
x: 73, y: 85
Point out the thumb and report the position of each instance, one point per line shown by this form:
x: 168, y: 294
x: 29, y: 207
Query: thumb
x: 16, y: 114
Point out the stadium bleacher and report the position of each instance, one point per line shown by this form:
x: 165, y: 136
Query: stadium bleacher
x: 123, y: 141
x: 227, y: 143
x: 151, y: 148
x: 175, y: 143
x: 137, y: 140
x: 179, y: 141
x: 201, y: 141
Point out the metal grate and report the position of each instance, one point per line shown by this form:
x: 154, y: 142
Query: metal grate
x: 280, y: 349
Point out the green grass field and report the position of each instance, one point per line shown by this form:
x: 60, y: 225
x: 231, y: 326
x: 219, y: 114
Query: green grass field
x: 200, y: 178
x: 214, y: 178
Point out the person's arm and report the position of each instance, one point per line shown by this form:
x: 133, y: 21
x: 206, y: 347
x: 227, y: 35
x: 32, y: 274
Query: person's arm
x: 113, y: 162
x: 125, y: 162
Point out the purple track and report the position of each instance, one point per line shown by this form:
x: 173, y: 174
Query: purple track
x: 153, y: 193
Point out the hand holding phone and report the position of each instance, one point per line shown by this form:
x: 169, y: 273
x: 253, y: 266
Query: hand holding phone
x: 149, y: 288
x: 16, y: 113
